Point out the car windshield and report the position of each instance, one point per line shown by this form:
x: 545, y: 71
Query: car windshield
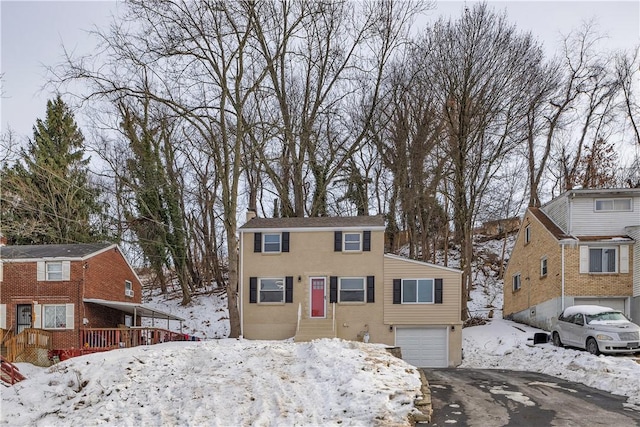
x: 606, y: 317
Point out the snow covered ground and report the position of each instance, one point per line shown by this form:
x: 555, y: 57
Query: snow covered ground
x: 221, y: 382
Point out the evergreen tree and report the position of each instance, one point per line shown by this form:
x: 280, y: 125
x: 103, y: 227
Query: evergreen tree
x: 46, y: 195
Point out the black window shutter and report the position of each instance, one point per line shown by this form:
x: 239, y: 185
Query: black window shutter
x: 253, y: 289
x: 397, y: 290
x: 337, y: 241
x: 371, y: 288
x: 438, y: 295
x: 366, y: 241
x: 257, y: 242
x: 333, y: 289
x: 288, y: 289
x: 285, y: 241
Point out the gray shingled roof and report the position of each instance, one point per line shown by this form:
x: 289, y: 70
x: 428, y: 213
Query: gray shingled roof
x: 315, y: 222
x: 51, y: 251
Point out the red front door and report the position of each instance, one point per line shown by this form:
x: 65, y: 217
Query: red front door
x: 317, y: 297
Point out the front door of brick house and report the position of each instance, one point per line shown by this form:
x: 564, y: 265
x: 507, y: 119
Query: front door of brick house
x: 318, y: 287
x: 23, y: 317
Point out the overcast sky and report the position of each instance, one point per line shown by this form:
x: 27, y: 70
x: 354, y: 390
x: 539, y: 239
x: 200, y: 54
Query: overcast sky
x: 33, y: 33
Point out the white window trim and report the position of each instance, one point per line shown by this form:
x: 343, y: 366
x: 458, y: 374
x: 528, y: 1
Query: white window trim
x: 544, y: 266
x: 613, y: 200
x: 344, y: 241
x: 42, y: 271
x: 264, y: 243
x: 527, y: 234
x: 69, y: 316
x: 433, y: 291
x: 49, y: 273
x: 513, y: 282
x: 128, y: 288
x: 615, y: 262
x: 3, y: 316
x: 259, y: 290
x: 364, y: 289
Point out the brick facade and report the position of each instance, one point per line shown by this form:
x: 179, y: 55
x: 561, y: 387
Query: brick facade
x: 536, y: 289
x: 101, y: 276
x: 526, y: 260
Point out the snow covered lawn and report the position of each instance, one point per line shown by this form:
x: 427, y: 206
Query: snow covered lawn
x: 224, y: 382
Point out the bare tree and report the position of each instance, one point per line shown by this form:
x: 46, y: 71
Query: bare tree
x: 192, y: 59
x: 627, y: 69
x: 325, y: 63
x: 480, y: 67
x: 408, y: 136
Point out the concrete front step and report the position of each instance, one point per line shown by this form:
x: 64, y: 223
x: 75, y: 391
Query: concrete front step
x: 311, y: 329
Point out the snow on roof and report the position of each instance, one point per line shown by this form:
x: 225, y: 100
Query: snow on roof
x: 587, y: 309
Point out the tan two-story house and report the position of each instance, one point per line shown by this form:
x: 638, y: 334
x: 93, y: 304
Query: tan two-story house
x: 582, y: 247
x: 328, y: 277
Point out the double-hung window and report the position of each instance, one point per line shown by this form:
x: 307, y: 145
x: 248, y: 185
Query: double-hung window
x: 543, y: 266
x: 352, y: 289
x: 602, y: 260
x: 271, y: 289
x: 417, y: 291
x: 352, y: 242
x: 516, y: 282
x: 128, y: 288
x: 54, y: 316
x: 54, y: 270
x: 271, y: 242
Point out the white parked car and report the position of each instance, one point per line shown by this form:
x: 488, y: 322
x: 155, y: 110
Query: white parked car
x: 596, y: 329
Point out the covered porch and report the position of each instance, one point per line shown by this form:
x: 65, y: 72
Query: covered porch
x: 94, y: 340
x: 158, y: 317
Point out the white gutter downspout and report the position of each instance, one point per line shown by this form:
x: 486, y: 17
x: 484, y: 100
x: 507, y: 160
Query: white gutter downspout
x: 563, y: 243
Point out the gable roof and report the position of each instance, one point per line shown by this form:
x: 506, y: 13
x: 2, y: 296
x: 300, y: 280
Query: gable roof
x: 423, y: 263
x: 548, y: 223
x: 337, y: 222
x: 30, y: 252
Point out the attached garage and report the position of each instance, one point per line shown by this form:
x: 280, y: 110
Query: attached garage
x: 424, y: 347
x: 615, y: 303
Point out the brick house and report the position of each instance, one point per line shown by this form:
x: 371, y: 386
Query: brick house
x: 63, y: 289
x: 327, y: 277
x: 582, y: 247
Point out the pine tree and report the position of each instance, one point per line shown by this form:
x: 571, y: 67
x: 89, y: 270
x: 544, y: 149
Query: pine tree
x: 46, y: 195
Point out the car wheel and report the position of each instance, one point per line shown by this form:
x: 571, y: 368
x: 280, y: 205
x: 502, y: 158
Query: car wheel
x: 556, y: 340
x: 592, y: 346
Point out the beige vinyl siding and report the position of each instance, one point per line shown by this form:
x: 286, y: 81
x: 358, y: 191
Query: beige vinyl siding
x: 421, y: 314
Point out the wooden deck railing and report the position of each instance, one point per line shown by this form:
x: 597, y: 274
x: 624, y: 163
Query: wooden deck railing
x: 28, y: 338
x: 101, y: 339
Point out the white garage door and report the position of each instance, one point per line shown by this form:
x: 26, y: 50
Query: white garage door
x: 615, y: 303
x: 424, y: 347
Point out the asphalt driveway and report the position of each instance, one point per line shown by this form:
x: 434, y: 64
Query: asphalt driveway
x: 485, y: 397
